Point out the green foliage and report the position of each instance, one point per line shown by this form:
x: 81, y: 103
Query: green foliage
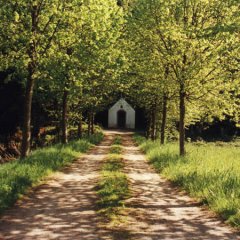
x: 209, y: 172
x: 89, y: 51
x: 69, y: 49
x: 21, y: 38
x: 85, y: 60
x: 17, y: 177
x: 178, y: 50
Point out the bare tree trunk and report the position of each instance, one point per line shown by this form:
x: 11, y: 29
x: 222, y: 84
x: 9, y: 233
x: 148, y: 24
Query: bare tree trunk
x: 65, y: 117
x: 58, y: 131
x: 32, y: 66
x: 164, y: 119
x: 58, y: 123
x: 182, y: 120
x: 149, y: 124
x: 148, y: 133
x: 26, y: 138
x: 92, y: 123
x: 182, y: 111
x: 80, y: 132
x: 89, y: 123
x: 153, y: 127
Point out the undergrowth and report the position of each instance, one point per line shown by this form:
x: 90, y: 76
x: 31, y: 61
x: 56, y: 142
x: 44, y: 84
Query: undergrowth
x: 18, y: 176
x: 208, y: 172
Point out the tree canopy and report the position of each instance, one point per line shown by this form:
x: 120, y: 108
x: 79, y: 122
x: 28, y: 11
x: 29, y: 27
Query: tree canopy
x: 178, y: 59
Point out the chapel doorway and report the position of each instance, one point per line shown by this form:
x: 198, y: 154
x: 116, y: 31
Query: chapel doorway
x: 121, y: 119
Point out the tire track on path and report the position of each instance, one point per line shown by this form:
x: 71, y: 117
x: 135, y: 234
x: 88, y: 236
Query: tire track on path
x: 62, y: 208
x: 159, y: 211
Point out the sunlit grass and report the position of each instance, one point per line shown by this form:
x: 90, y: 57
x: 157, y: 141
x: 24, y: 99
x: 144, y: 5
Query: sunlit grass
x: 116, y: 149
x: 16, y: 177
x: 117, y: 140
x: 113, y: 163
x: 209, y: 172
x: 113, y: 186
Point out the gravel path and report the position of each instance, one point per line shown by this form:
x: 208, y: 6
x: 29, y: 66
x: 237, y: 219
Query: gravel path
x: 65, y: 207
x: 160, y: 211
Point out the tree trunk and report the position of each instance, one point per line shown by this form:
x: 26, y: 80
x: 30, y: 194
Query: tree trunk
x: 92, y: 123
x: 182, y: 120
x: 153, y: 127
x: 164, y: 119
x: 32, y: 66
x: 80, y: 132
x: 26, y: 133
x: 149, y: 124
x: 148, y: 133
x: 58, y: 131
x: 65, y: 117
x: 89, y: 124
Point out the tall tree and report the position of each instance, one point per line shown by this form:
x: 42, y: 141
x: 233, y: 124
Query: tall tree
x: 188, y: 37
x: 33, y: 25
x: 85, y: 60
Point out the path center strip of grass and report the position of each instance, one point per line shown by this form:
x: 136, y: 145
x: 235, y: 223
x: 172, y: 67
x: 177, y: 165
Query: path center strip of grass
x: 113, y: 188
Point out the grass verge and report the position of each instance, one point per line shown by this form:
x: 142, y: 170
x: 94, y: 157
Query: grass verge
x: 208, y: 172
x: 113, y: 187
x: 18, y: 176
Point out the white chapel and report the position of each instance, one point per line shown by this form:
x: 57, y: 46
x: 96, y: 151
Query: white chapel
x: 121, y: 115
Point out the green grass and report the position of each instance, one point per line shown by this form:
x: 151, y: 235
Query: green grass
x: 113, y: 163
x: 117, y: 140
x: 209, y: 172
x: 18, y: 176
x: 116, y: 149
x: 113, y: 187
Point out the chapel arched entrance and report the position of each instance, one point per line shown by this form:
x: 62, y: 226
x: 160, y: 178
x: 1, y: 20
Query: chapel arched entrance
x: 121, y: 119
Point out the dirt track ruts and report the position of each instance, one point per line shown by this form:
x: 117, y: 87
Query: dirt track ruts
x: 159, y: 211
x: 65, y: 206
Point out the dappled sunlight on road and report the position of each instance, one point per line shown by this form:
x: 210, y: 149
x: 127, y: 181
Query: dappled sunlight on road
x: 158, y: 210
x: 62, y: 208
x: 65, y: 206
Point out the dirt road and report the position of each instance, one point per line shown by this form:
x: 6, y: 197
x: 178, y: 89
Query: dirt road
x: 65, y: 207
x: 159, y: 211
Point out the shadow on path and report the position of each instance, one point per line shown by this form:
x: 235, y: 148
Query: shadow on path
x: 64, y: 207
x: 157, y: 210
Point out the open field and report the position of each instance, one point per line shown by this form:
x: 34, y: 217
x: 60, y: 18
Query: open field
x: 209, y: 172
